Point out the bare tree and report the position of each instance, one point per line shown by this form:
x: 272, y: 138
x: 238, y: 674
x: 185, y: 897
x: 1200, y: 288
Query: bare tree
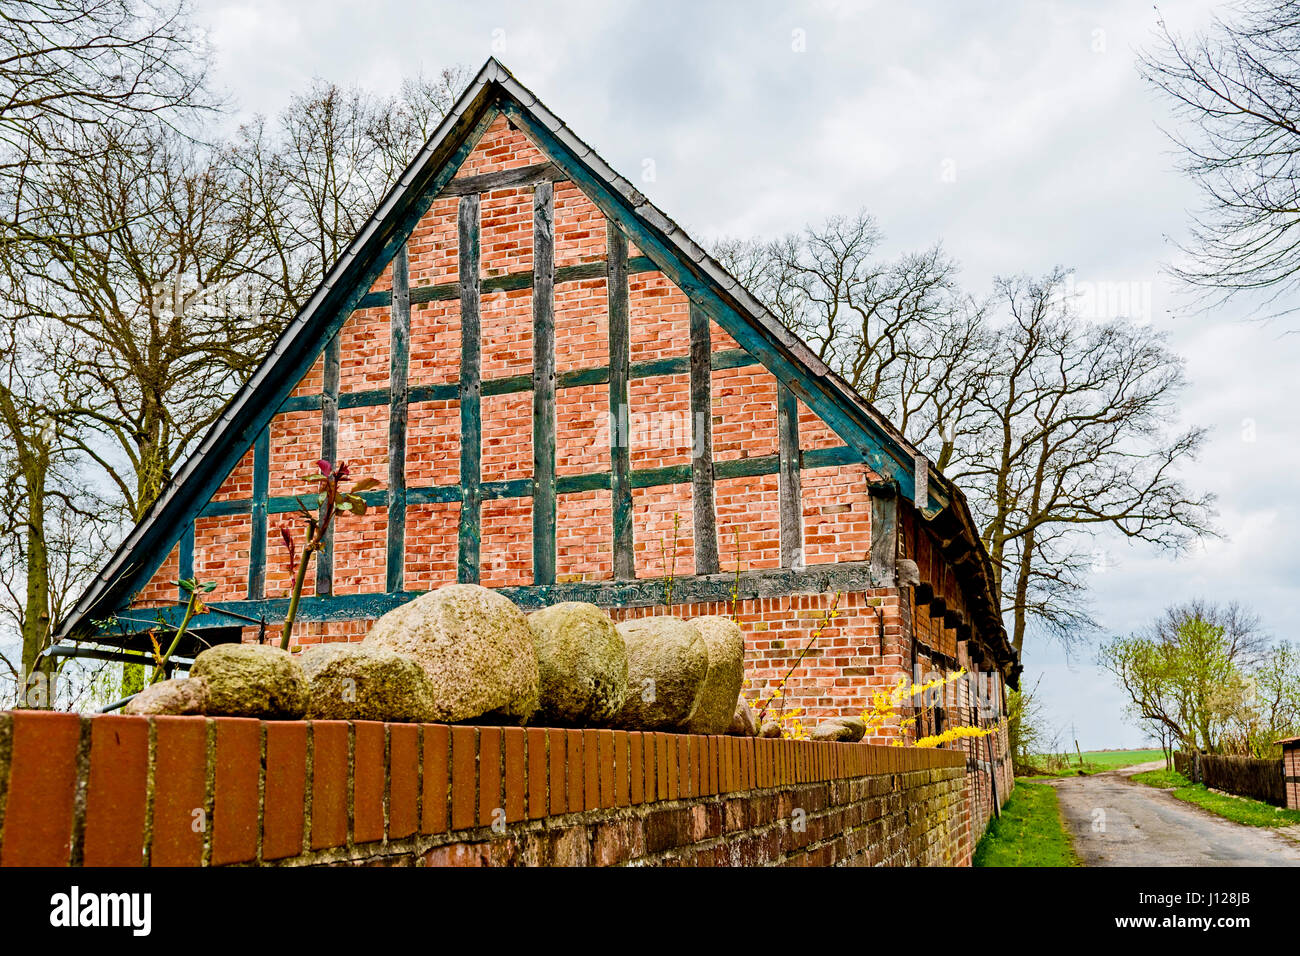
x: 83, y: 65
x: 54, y: 529
x: 1074, y: 442
x: 1235, y: 90
x: 158, y: 295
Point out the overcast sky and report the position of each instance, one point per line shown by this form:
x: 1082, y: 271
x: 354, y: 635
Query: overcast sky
x: 1018, y: 133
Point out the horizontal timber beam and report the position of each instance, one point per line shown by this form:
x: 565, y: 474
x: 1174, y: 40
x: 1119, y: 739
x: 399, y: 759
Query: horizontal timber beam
x: 512, y: 384
x: 513, y: 282
x: 520, y: 177
x: 645, y: 592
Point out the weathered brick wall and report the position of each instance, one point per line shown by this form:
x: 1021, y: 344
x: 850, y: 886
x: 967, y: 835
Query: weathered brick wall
x: 191, y: 791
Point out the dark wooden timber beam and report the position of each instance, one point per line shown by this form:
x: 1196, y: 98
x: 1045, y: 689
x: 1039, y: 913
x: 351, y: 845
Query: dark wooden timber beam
x: 329, y: 450
x: 884, y: 533
x: 523, y: 176
x: 544, y: 420
x: 185, y: 559
x: 469, y: 539
x: 564, y: 484
x: 790, y: 494
x: 399, y: 366
x: 257, y: 539
x: 643, y: 592
x: 512, y: 384
x: 620, y: 351
x: 511, y: 282
x: 705, y: 516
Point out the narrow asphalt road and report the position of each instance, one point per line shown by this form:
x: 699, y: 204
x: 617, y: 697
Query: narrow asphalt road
x: 1116, y: 822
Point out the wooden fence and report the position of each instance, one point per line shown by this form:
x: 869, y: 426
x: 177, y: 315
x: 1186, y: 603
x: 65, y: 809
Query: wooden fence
x: 1244, y: 776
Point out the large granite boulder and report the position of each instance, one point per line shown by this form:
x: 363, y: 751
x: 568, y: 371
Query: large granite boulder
x: 726, y: 648
x: 178, y: 696
x: 667, y: 661
x: 252, y: 680
x: 475, y: 647
x: 582, y: 665
x: 360, y: 682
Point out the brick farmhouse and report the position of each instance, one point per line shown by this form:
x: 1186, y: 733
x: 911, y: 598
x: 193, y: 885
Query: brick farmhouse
x: 565, y: 398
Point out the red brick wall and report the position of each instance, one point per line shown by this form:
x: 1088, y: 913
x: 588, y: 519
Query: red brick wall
x: 193, y: 791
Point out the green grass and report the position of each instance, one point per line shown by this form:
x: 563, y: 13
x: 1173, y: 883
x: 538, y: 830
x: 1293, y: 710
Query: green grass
x: 1254, y: 813
x: 1165, y: 779
x: 1098, y: 761
x: 1029, y: 832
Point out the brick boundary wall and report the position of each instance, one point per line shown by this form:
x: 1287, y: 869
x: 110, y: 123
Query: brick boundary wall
x: 190, y: 791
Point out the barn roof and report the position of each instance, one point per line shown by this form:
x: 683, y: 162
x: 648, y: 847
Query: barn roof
x: 494, y: 90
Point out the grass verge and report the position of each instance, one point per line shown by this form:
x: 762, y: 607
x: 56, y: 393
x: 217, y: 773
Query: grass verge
x: 1254, y: 813
x: 1030, y: 831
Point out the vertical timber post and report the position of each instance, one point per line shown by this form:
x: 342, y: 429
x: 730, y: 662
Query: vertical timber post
x: 620, y: 357
x: 471, y: 424
x: 544, y: 384
x: 329, y: 450
x: 791, y: 499
x: 185, y: 558
x: 257, y: 541
x: 705, y: 516
x: 884, y: 534
x: 398, y: 362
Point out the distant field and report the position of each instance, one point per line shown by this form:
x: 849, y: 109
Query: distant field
x: 1094, y: 761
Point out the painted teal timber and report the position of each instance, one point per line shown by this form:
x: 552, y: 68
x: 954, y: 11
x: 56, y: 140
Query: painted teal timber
x: 704, y: 515
x: 642, y: 592
x: 469, y: 537
x: 513, y: 282
x: 185, y: 559
x: 543, y: 385
x: 564, y: 484
x: 257, y: 534
x: 620, y: 350
x: 329, y: 450
x: 598, y: 375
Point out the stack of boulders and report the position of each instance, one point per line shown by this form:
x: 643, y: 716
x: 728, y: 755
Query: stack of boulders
x: 466, y: 654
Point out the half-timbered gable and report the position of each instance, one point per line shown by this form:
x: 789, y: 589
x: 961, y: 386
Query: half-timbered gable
x: 565, y: 398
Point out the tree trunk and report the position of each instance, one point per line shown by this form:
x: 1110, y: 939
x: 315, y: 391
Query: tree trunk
x: 1019, y: 614
x: 36, y: 605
